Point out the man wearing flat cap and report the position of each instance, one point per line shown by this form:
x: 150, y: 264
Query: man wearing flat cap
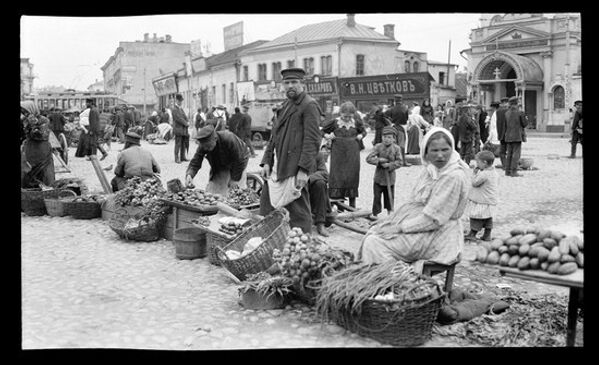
x: 133, y: 161
x: 292, y: 148
x: 180, y: 125
x: 227, y: 155
x: 516, y: 121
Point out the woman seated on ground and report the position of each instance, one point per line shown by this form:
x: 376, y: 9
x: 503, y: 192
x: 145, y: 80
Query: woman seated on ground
x: 428, y: 226
x: 133, y: 161
x: 37, y: 161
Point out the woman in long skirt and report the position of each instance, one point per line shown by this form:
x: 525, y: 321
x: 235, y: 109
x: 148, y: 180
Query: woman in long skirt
x: 345, y: 133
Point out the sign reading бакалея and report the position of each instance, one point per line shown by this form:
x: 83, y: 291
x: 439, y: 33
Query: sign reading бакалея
x: 409, y: 85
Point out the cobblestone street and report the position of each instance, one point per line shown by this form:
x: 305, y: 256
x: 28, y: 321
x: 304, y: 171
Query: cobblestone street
x: 82, y: 287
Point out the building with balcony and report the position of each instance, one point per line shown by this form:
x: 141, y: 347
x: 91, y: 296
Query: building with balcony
x: 129, y: 72
x: 536, y: 57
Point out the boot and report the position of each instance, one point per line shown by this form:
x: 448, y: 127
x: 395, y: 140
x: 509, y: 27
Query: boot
x: 471, y: 236
x: 322, y: 230
x: 486, y: 235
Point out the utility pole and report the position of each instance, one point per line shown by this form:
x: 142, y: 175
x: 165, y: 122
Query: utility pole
x: 144, y: 89
x: 448, y: 62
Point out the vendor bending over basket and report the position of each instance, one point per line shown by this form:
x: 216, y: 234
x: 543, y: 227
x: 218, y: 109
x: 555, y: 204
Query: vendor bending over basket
x: 133, y: 161
x: 428, y: 226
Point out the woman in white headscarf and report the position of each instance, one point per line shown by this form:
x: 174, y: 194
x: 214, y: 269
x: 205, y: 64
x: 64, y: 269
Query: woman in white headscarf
x: 428, y: 226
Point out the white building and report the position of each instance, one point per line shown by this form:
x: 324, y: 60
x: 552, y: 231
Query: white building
x: 534, y: 56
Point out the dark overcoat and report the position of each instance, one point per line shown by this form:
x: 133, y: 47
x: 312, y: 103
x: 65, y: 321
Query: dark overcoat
x: 500, y: 123
x: 295, y: 137
x: 515, y: 123
x: 180, y: 123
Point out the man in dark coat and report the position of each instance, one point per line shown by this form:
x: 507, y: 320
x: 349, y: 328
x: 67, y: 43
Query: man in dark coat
x: 228, y: 158
x: 484, y: 129
x: 180, y: 125
x: 466, y: 131
x: 96, y: 132
x: 576, y: 128
x: 501, y: 123
x: 515, y: 123
x: 319, y: 196
x: 120, y: 126
x: 244, y: 130
x: 234, y: 122
x: 295, y: 141
x: 57, y: 122
x: 129, y: 118
x: 399, y: 118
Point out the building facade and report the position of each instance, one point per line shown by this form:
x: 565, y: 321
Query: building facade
x: 443, y: 87
x: 533, y: 56
x: 26, y: 77
x: 129, y: 72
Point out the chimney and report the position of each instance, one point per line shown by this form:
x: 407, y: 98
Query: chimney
x: 169, y: 38
x: 154, y: 38
x: 351, y: 21
x: 146, y: 37
x: 389, y: 30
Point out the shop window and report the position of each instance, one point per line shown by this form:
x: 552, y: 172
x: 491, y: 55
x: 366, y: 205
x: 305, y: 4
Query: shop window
x: 276, y: 71
x: 559, y: 98
x: 290, y: 63
x: 246, y: 73
x: 360, y: 65
x: 309, y: 65
x: 407, y: 67
x: 262, y: 72
x: 416, y: 66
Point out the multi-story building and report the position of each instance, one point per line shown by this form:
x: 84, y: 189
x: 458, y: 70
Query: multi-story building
x: 26, y: 77
x: 129, y: 72
x: 533, y: 56
x: 443, y: 87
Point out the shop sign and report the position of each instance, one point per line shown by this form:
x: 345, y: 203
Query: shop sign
x: 323, y: 87
x: 410, y: 85
x: 165, y: 86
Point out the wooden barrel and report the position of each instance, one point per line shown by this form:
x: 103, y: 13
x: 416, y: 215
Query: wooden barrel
x: 190, y: 243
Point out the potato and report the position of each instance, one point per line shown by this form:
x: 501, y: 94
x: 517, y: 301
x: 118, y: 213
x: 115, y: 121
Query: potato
x: 567, y: 268
x: 564, y: 246
x: 537, y: 244
x: 527, y: 239
x: 534, y: 263
x: 496, y: 243
x: 513, y: 249
x: 549, y: 243
x: 573, y: 247
x: 557, y: 235
x: 554, y: 255
x: 504, y: 259
x: 513, y: 262
x: 580, y: 259
x: 532, y: 229
x: 513, y: 240
x: 523, y: 263
x: 502, y: 249
x: 517, y: 231
x: 493, y: 258
x: 543, y: 233
x: 580, y: 244
x: 553, y: 268
x: 481, y: 255
x: 542, y: 254
x: 544, y: 265
x: 567, y: 258
x: 523, y: 250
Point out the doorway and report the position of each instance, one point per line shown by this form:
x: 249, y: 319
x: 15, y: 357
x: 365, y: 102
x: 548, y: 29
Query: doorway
x: 530, y: 108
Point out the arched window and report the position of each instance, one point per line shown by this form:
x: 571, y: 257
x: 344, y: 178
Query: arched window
x: 559, y: 98
x: 407, y: 66
x: 416, y: 66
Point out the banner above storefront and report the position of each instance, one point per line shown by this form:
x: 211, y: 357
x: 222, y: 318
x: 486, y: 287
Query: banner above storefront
x: 322, y: 86
x: 165, y: 86
x: 409, y: 85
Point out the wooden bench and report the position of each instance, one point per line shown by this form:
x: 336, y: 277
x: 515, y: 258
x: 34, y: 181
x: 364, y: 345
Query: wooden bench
x: 432, y: 268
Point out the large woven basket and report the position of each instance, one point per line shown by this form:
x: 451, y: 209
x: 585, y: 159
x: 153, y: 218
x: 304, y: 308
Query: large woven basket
x: 32, y: 200
x: 55, y: 206
x: 83, y: 210
x: 273, y: 230
x: 394, y: 323
x: 148, y: 232
x: 214, y: 240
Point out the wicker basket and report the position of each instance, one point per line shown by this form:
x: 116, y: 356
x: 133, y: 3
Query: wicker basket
x: 55, y: 206
x: 83, y: 210
x: 32, y: 200
x: 214, y: 240
x: 395, y: 323
x: 273, y: 229
x: 148, y: 232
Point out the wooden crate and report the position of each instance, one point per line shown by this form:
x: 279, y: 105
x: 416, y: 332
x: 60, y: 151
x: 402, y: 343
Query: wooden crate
x: 181, y: 218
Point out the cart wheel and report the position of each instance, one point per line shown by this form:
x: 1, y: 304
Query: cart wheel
x: 64, y: 146
x: 255, y: 182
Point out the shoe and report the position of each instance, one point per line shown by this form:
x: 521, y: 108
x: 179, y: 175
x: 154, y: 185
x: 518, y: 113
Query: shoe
x: 515, y: 174
x: 184, y: 159
x: 471, y: 236
x: 103, y: 156
x: 487, y: 235
x: 321, y: 230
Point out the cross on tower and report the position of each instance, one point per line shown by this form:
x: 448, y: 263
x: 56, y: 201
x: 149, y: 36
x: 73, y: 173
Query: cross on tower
x: 497, y: 73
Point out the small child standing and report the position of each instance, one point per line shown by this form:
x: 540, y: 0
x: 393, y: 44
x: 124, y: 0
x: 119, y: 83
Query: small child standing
x: 483, y: 196
x: 387, y: 158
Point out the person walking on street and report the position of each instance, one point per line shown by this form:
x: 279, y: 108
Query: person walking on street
x: 228, y: 158
x: 234, y: 122
x: 576, y: 128
x: 199, y: 119
x: 399, y: 118
x: 244, y: 129
x: 386, y: 156
x: 514, y: 131
x: 290, y: 154
x: 345, y: 133
x: 120, y: 124
x: 500, y: 122
x: 449, y: 116
x: 482, y: 198
x: 466, y: 129
x: 180, y: 125
x: 319, y: 196
x: 427, y: 111
x: 129, y: 118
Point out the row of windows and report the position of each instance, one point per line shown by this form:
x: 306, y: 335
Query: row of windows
x: 326, y: 68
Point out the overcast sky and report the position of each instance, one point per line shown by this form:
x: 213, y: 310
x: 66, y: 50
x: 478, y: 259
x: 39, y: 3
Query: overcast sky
x: 69, y: 51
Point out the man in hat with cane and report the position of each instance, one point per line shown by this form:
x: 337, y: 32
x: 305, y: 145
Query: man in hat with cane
x: 133, y: 161
x: 292, y: 149
x: 180, y: 125
x: 227, y: 155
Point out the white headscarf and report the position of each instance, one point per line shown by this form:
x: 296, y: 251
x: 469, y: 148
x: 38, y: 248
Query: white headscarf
x: 454, y: 160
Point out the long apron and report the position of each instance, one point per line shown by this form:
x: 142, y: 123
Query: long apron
x: 344, y: 177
